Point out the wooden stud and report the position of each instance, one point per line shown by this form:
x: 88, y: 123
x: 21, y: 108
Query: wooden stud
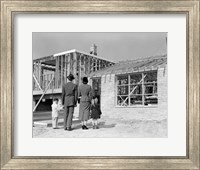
x: 56, y: 73
x: 75, y: 66
x: 65, y: 73
x: 89, y: 65
x: 61, y: 76
x: 80, y: 68
x: 68, y: 64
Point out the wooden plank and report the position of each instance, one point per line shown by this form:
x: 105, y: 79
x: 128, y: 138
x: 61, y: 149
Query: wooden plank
x: 65, y: 68
x: 61, y: 73
x: 75, y: 66
x: 89, y: 64
x: 83, y: 66
x: 43, y: 94
x: 79, y: 73
x: 68, y: 64
x: 56, y: 73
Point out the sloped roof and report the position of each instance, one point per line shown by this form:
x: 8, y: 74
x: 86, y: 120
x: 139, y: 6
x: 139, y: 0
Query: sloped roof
x: 130, y: 66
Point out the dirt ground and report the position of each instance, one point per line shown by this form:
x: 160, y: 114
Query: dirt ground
x: 108, y: 128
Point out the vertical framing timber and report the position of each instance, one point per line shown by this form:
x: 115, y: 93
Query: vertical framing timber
x: 41, y: 75
x: 75, y: 66
x: 129, y: 91
x: 65, y: 69
x: 83, y: 66
x: 37, y: 72
x: 143, y: 89
x: 68, y: 64
x: 79, y: 73
x: 86, y: 65
x: 89, y: 64
x: 99, y: 64
x: 61, y: 76
x: 34, y: 74
x: 59, y: 71
x: 71, y: 62
x: 56, y: 72
x: 96, y: 62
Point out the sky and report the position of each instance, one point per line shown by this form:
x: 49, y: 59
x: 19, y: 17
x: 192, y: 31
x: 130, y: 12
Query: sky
x: 113, y: 46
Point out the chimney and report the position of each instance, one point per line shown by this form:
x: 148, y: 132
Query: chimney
x: 93, y: 49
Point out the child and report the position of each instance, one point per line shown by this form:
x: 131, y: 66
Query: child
x: 55, y: 109
x: 95, y: 112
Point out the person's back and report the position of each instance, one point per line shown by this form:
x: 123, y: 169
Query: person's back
x: 85, y: 91
x: 69, y: 95
x: 69, y: 100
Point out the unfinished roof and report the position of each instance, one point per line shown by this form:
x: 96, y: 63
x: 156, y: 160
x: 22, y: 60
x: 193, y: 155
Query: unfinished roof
x: 130, y: 66
x: 52, y: 57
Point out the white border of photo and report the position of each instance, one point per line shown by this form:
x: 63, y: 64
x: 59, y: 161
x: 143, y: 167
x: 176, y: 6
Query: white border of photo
x: 173, y: 145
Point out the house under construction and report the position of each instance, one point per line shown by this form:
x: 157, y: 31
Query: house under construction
x: 50, y: 73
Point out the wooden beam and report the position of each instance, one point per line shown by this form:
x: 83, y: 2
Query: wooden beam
x: 68, y: 64
x: 79, y: 74
x: 56, y: 73
x: 61, y: 74
x: 43, y: 94
x: 75, y: 66
x: 89, y: 65
x: 65, y: 68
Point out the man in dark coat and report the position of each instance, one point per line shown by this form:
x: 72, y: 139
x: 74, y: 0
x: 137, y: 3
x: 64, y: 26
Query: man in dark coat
x: 69, y: 100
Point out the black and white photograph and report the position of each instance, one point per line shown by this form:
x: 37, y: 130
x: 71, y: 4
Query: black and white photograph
x: 100, y: 85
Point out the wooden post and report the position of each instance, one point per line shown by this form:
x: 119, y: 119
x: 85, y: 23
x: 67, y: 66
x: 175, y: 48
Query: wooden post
x: 99, y: 64
x: 37, y: 75
x: 61, y: 74
x: 83, y: 66
x: 75, y: 66
x: 89, y: 65
x: 80, y: 69
x: 86, y: 65
x: 56, y: 73
x: 143, y: 89
x: 65, y: 74
x: 68, y: 64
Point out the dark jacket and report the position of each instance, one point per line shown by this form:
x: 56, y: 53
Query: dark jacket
x: 95, y: 111
x: 69, y: 94
x: 85, y: 91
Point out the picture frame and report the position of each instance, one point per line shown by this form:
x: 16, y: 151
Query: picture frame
x: 10, y: 8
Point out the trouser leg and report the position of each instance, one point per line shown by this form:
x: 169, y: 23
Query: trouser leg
x: 53, y: 122
x: 56, y: 121
x: 66, y: 112
x: 70, y: 116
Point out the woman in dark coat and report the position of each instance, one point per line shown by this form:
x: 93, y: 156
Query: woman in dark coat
x: 85, y: 92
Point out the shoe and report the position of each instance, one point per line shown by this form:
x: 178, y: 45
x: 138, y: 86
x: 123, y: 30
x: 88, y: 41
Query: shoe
x: 69, y: 129
x: 97, y: 127
x: 93, y: 127
x: 84, y: 127
x: 65, y: 128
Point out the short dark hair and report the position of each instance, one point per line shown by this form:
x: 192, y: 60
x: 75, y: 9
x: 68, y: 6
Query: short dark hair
x: 70, y: 77
x: 85, y: 80
x: 55, y: 99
